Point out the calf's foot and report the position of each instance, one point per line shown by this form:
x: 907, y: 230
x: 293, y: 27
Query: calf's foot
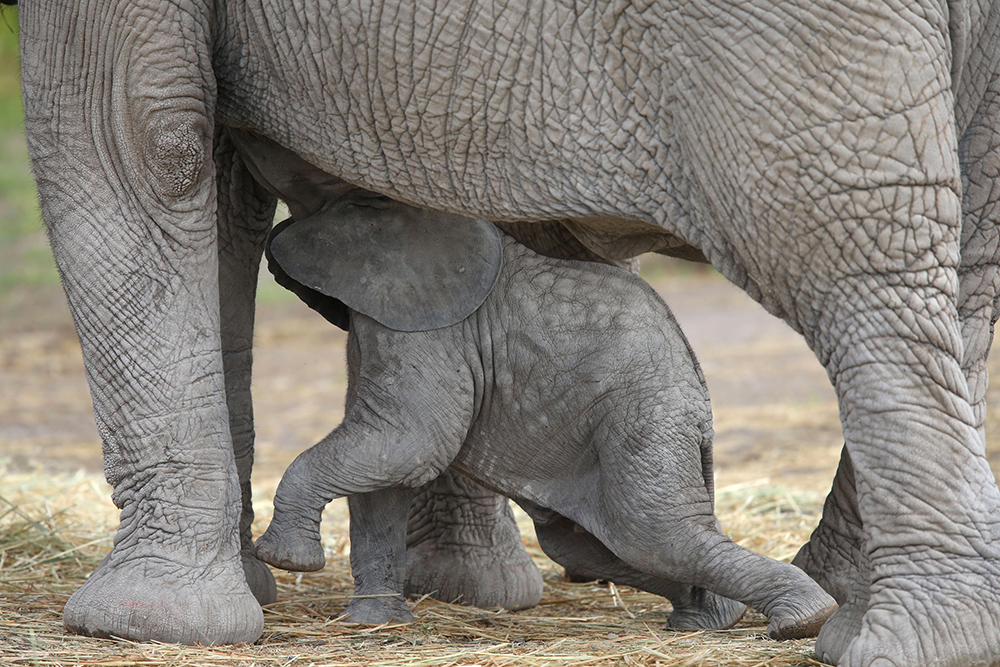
x: 376, y: 610
x: 290, y: 544
x: 801, y: 613
x: 292, y: 540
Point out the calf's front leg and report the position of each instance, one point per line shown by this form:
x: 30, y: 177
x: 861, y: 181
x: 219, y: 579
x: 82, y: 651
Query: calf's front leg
x: 409, y: 406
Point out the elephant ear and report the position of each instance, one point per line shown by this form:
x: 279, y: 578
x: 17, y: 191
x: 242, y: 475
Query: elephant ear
x: 333, y: 310
x: 407, y: 268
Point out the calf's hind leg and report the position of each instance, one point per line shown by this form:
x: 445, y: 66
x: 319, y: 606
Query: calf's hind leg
x: 655, y: 513
x: 568, y: 544
x: 795, y: 605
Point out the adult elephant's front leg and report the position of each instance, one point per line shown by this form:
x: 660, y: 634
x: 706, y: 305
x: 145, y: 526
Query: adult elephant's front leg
x: 927, y: 499
x: 121, y: 139
x: 245, y: 214
x: 979, y: 287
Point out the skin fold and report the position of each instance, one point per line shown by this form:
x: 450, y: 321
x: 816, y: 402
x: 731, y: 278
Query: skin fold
x: 527, y: 396
x: 837, y: 160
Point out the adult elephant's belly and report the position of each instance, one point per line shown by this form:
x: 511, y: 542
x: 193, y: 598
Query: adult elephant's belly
x: 306, y: 189
x: 434, y: 110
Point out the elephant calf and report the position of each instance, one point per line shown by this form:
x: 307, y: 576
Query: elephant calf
x: 571, y: 390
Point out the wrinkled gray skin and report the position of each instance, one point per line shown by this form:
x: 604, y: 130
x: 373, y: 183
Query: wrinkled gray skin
x: 570, y: 390
x: 838, y: 160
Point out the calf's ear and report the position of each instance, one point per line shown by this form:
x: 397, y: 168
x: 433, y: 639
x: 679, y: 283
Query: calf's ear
x: 407, y: 268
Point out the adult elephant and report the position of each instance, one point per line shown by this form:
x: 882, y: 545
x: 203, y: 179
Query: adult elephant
x: 839, y: 160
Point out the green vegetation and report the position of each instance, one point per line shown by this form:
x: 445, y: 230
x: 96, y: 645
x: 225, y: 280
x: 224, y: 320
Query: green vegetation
x: 18, y: 204
x: 25, y: 260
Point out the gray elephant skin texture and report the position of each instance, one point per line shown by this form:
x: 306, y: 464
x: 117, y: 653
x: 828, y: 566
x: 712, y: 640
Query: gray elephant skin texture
x: 838, y: 160
x: 571, y: 390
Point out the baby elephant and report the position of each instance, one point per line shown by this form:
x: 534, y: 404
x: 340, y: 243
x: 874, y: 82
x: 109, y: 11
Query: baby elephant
x: 570, y: 389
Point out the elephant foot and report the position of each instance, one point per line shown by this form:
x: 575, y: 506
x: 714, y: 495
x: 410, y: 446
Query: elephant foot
x: 801, y: 623
x: 378, y: 609
x: 480, y: 576
x: 288, y: 546
x: 947, y: 620
x: 259, y: 578
x: 798, y: 607
x: 838, y: 632
x: 463, y: 546
x: 152, y: 598
x: 709, y: 612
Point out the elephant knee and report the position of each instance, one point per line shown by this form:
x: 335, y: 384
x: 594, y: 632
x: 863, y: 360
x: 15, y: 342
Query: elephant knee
x: 422, y: 470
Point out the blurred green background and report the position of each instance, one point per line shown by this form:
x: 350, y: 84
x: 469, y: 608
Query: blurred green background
x: 30, y: 295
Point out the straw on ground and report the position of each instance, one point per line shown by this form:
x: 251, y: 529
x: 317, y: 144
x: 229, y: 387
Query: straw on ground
x: 55, y: 529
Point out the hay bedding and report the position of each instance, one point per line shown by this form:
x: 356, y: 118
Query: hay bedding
x: 55, y: 529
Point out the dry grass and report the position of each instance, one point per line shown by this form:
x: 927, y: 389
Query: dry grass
x: 55, y: 529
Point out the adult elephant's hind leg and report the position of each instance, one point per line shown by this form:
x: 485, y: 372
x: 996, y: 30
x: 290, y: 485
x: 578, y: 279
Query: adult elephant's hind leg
x: 913, y: 407
x: 245, y: 213
x: 463, y: 545
x: 926, y: 497
x: 833, y: 555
